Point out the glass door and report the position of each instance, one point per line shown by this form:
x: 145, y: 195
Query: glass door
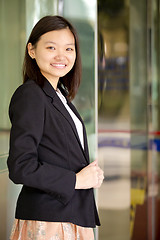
x: 154, y: 123
x: 129, y: 118
x: 114, y: 118
x: 145, y: 119
x: 139, y: 117
x: 12, y: 41
x: 16, y: 20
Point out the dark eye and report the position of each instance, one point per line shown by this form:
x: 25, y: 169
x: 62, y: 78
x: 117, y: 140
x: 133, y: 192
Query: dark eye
x: 51, y: 48
x: 69, y: 49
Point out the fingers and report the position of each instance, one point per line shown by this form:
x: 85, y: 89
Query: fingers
x: 100, y: 178
x: 98, y: 171
x: 90, y: 176
x: 100, y: 181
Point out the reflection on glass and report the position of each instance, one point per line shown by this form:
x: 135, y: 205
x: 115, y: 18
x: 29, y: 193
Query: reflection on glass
x: 138, y: 106
x: 154, y: 127
x: 36, y: 9
x: 113, y: 118
x: 83, y: 16
x: 16, y: 20
x: 12, y: 38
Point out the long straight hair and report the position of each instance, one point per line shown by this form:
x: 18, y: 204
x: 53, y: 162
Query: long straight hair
x: 72, y: 79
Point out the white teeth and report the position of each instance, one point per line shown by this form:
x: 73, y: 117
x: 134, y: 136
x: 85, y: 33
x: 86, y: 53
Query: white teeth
x: 58, y: 65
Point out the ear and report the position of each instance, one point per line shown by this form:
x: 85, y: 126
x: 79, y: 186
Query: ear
x: 31, y: 50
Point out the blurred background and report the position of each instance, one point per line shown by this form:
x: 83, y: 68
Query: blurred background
x: 119, y: 100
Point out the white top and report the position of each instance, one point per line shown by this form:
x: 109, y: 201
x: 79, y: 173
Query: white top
x: 76, y: 121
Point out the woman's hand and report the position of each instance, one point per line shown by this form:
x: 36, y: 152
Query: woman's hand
x: 89, y: 177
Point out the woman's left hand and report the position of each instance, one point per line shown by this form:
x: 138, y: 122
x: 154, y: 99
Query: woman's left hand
x: 100, y: 178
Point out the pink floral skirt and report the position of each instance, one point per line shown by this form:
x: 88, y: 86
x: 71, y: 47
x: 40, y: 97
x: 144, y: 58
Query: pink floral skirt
x: 39, y: 230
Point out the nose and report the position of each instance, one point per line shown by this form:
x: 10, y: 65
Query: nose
x: 60, y: 55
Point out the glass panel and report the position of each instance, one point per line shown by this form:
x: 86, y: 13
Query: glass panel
x: 36, y: 9
x: 12, y: 22
x: 12, y: 39
x: 114, y: 118
x: 154, y: 126
x: 16, y: 20
x: 82, y: 14
x: 139, y: 123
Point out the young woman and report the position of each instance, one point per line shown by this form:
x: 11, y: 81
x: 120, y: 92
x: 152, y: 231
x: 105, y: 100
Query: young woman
x: 48, y: 145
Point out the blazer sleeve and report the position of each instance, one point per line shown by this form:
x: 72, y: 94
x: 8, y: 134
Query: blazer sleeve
x: 26, y: 113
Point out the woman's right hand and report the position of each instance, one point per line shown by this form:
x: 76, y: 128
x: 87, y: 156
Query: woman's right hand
x: 89, y: 177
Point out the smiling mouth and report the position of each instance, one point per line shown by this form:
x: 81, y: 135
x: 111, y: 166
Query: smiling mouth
x: 58, y: 65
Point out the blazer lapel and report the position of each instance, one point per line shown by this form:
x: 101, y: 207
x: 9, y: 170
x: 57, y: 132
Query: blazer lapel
x: 61, y: 108
x: 84, y: 130
x: 57, y: 103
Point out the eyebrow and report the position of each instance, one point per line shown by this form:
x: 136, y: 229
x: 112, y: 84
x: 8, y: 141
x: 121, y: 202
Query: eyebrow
x: 56, y: 43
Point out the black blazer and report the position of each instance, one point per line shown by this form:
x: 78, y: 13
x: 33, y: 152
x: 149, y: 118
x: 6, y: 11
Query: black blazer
x: 45, y: 155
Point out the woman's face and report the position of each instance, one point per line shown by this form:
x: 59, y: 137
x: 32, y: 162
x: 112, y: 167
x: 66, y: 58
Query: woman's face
x: 55, y: 54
